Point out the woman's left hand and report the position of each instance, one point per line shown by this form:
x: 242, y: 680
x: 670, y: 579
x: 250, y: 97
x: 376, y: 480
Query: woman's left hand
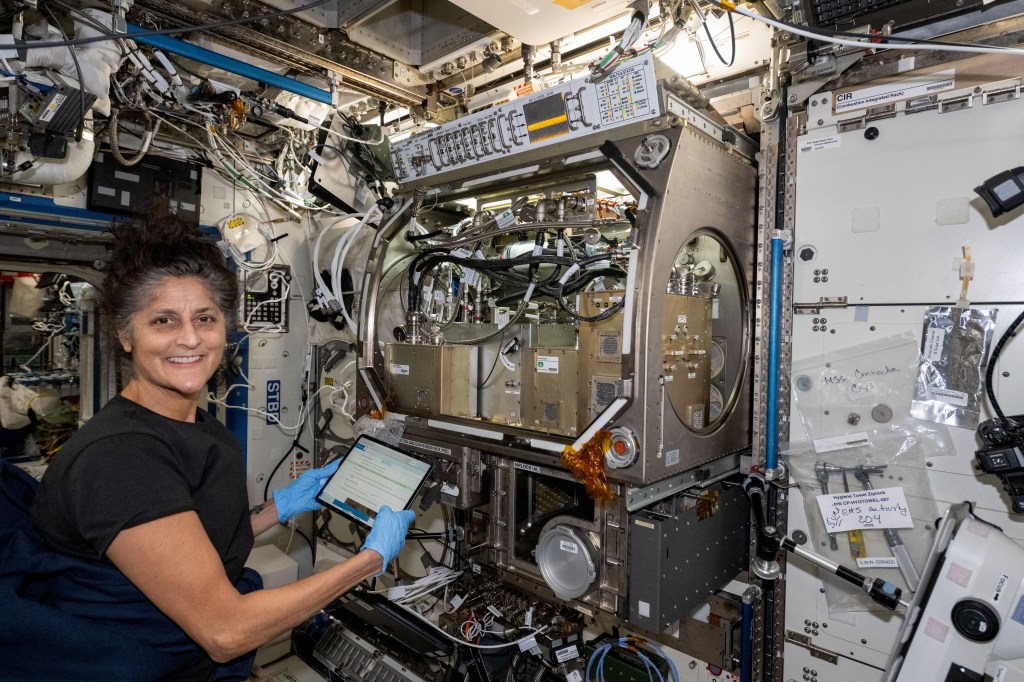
x: 300, y: 496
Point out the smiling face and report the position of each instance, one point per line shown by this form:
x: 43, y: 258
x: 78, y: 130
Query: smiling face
x: 176, y: 343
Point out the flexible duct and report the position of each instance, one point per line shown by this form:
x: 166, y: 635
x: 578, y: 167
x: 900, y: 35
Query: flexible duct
x: 58, y: 171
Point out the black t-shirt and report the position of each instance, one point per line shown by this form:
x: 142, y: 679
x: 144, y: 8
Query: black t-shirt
x: 127, y: 466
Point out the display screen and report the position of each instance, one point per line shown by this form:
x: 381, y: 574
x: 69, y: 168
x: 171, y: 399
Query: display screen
x: 372, y: 475
x: 546, y: 118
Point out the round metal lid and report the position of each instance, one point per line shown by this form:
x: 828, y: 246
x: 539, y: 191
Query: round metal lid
x: 564, y: 559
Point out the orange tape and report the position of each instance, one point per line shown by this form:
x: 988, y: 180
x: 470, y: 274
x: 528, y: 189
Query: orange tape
x: 587, y: 464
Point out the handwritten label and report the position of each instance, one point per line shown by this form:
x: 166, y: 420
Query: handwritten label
x: 877, y: 562
x: 861, y: 381
x: 883, y: 508
x: 933, y: 344
x: 849, y: 440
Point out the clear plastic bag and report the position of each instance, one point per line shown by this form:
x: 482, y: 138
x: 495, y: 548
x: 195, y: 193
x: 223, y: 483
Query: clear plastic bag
x: 895, y: 461
x: 855, y: 396
x: 854, y: 406
x: 954, y: 352
x: 388, y: 430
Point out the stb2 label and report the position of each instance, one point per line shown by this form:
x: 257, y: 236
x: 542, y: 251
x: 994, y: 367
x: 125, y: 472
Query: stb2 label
x: 273, y: 401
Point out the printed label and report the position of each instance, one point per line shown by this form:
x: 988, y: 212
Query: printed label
x: 547, y: 364
x: 877, y: 562
x: 850, y: 440
x: 574, y: 676
x: 644, y: 609
x: 528, y: 617
x: 681, y: 319
x: 644, y: 524
x: 933, y: 344
x: 52, y: 107
x: 567, y: 654
x: 672, y: 458
x: 958, y: 398
x: 820, y: 143
x: 526, y: 467
x: 1000, y: 586
x: 882, y: 508
x: 908, y: 88
x: 399, y: 369
x: 569, y: 547
x: 505, y: 219
x: 274, y: 401
x: 425, y: 446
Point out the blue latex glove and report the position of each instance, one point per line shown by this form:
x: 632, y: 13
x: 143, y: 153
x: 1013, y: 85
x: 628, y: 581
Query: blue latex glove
x: 300, y: 496
x: 387, y: 537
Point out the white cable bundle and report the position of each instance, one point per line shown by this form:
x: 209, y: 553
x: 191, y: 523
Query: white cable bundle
x: 438, y: 577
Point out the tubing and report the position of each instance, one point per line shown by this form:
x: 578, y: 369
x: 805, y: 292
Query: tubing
x: 746, y: 660
x: 235, y: 66
x: 774, y: 341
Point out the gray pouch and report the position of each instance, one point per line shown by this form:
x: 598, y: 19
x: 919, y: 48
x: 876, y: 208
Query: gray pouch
x: 950, y: 378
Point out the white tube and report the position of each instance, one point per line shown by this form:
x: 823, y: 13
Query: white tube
x: 57, y: 171
x: 864, y: 44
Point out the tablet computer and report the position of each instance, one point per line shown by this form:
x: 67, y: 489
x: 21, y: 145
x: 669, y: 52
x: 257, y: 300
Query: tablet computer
x: 372, y: 475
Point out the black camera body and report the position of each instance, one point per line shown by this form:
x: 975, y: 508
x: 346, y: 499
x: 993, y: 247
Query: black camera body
x: 1003, y: 455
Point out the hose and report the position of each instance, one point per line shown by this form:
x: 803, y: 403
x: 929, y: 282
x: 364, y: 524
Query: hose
x: 147, y: 138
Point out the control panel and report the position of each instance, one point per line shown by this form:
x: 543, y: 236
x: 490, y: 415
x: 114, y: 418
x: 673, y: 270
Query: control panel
x: 572, y: 109
x: 266, y: 299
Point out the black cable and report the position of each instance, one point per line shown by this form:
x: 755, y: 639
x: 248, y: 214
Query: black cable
x: 291, y: 448
x: 732, y: 37
x: 295, y: 444
x: 420, y: 237
x: 81, y: 77
x: 169, y: 31
x: 494, y: 365
x: 1008, y: 423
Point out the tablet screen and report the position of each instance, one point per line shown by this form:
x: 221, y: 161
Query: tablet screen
x: 372, y: 475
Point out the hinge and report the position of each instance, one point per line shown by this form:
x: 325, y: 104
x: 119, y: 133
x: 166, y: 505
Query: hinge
x: 815, y: 308
x: 816, y: 651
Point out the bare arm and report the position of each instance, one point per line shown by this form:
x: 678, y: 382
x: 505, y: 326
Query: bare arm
x: 264, y: 518
x: 172, y: 561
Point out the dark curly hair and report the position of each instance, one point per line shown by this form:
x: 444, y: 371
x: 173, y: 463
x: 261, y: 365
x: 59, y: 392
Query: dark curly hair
x: 147, y: 251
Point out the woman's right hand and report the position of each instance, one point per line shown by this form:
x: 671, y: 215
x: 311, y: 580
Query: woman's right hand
x: 387, y: 537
